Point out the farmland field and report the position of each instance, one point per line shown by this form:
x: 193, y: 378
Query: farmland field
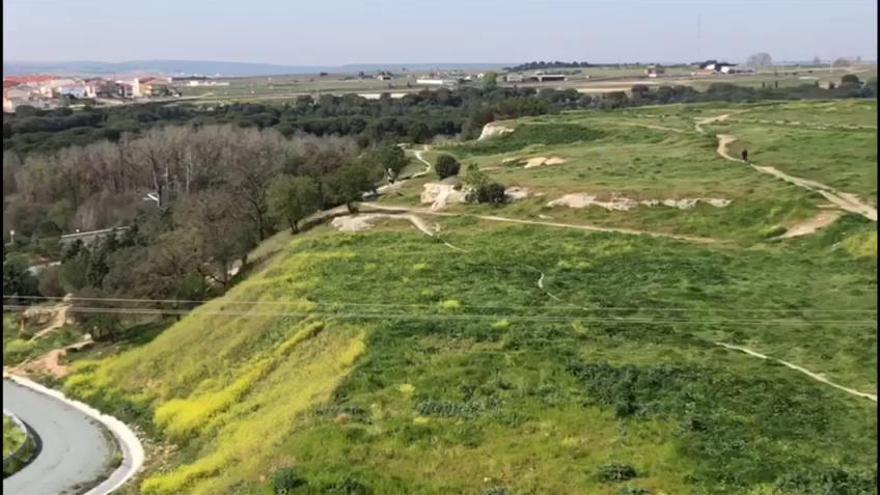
x: 540, y: 357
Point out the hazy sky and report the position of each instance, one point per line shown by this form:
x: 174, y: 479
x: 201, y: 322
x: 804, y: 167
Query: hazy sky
x: 332, y: 32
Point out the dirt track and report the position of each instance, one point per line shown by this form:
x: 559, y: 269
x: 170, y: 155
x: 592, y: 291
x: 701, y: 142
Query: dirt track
x: 845, y: 201
x: 814, y: 376
x: 493, y: 218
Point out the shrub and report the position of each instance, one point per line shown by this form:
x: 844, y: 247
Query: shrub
x: 492, y: 193
x: 446, y: 166
x: 616, y: 472
x: 631, y: 490
x: 349, y: 486
x: 850, y: 80
x: 450, y: 304
x: 501, y: 325
x: 286, y: 479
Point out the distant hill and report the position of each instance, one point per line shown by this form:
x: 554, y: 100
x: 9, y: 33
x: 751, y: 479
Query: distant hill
x: 213, y: 68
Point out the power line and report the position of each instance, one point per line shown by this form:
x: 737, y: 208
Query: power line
x: 455, y: 317
x: 405, y: 305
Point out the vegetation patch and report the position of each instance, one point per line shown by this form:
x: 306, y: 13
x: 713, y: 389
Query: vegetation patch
x: 529, y: 135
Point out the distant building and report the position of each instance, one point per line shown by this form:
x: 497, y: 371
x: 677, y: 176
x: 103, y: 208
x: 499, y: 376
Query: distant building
x: 437, y: 82
x: 154, y: 86
x: 80, y: 91
x: 514, y: 78
x: 128, y: 89
x: 102, y: 87
x: 541, y: 77
x: 383, y: 76
x: 654, y: 71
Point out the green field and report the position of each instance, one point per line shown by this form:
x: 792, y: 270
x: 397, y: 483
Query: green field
x: 525, y: 359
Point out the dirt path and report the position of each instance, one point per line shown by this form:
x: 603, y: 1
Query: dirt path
x: 814, y: 376
x: 812, y: 225
x: 419, y: 157
x: 50, y: 362
x: 494, y: 218
x: 359, y: 222
x: 652, y: 126
x: 845, y: 201
x: 698, y: 125
x: 541, y: 286
x: 58, y: 321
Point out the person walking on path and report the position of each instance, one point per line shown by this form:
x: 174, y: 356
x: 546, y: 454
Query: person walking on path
x: 745, y: 155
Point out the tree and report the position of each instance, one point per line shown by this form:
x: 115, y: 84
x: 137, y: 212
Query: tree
x: 388, y: 159
x: 640, y: 90
x: 446, y: 166
x: 17, y: 280
x: 842, y: 62
x: 293, y: 199
x: 491, y: 192
x: 490, y: 80
x: 347, y: 185
x: 760, y: 60
x: 850, y: 80
x: 474, y: 177
x: 216, y: 229
x: 817, y: 60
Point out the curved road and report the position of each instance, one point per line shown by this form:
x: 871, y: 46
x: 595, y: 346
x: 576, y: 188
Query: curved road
x: 75, y: 452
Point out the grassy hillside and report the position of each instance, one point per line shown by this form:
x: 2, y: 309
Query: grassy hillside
x: 525, y: 358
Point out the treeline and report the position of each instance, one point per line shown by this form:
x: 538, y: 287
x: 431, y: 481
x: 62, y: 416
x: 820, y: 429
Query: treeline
x: 416, y: 117
x: 221, y: 190
x: 547, y: 65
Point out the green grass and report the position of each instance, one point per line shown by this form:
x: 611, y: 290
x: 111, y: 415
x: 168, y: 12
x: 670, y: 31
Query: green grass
x: 845, y: 159
x: 435, y: 402
x: 529, y: 135
x: 13, y: 436
x: 385, y: 362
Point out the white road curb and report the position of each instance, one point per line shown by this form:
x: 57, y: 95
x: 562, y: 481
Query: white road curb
x: 132, y: 450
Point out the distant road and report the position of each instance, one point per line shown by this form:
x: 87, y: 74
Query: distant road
x: 75, y: 449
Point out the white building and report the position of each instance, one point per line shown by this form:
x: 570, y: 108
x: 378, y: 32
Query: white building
x: 437, y: 82
x: 80, y: 91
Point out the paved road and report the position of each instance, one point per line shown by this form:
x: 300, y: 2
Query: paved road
x: 75, y: 449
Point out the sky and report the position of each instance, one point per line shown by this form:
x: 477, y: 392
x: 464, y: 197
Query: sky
x: 337, y: 32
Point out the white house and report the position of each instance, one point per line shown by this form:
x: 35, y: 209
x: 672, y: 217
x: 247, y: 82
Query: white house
x: 80, y: 90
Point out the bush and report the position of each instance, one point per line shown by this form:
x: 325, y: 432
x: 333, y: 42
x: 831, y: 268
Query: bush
x: 349, y: 486
x: 616, y: 472
x: 492, y: 193
x: 850, y: 80
x: 284, y: 480
x: 631, y: 490
x: 446, y: 166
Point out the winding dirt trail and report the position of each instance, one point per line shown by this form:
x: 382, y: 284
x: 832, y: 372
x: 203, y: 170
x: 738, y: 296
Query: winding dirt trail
x: 419, y: 157
x: 494, y: 218
x: 814, y: 376
x: 845, y: 201
x: 58, y: 320
x: 698, y: 125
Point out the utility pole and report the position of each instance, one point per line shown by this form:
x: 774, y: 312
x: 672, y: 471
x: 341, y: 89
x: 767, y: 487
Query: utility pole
x: 699, y: 51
